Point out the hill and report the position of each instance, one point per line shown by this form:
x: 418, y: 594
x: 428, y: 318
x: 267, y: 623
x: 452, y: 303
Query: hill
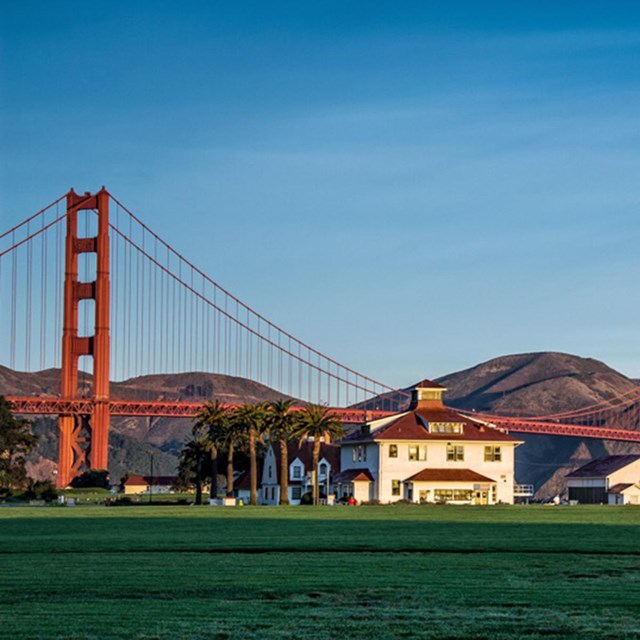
x: 536, y: 384
x: 523, y: 384
x: 132, y: 439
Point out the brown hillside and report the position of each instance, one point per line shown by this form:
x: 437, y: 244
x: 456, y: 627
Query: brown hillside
x: 166, y: 434
x: 535, y: 384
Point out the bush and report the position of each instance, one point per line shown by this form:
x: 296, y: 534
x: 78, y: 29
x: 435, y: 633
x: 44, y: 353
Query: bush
x: 41, y: 490
x: 94, y: 478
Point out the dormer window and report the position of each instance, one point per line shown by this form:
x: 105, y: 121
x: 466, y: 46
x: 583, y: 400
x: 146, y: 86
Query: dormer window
x: 323, y: 469
x: 445, y: 427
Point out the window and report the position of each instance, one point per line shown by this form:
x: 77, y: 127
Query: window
x: 322, y: 469
x: 455, y: 452
x: 359, y: 453
x: 395, y: 487
x: 393, y: 450
x: 296, y: 493
x: 445, y: 427
x: 492, y: 454
x: 297, y: 472
x: 269, y: 470
x: 458, y: 495
x: 417, y: 452
x: 354, y: 454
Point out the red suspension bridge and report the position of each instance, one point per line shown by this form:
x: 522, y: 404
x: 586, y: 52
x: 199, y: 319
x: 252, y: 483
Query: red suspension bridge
x: 85, y: 286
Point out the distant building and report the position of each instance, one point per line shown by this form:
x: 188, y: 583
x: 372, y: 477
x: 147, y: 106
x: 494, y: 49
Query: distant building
x: 140, y: 484
x: 607, y: 480
x: 300, y: 461
x: 429, y: 453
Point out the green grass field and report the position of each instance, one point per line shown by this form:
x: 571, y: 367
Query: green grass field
x: 314, y: 573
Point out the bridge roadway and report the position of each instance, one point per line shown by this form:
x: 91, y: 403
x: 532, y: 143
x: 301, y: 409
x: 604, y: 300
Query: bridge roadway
x: 34, y: 405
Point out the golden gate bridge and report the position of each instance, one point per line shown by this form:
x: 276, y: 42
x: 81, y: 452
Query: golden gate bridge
x: 85, y: 285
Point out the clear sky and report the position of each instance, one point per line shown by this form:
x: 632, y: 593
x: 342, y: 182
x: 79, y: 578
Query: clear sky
x: 411, y: 187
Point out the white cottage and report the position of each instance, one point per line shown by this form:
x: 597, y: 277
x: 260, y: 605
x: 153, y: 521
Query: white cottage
x: 429, y: 453
x: 300, y: 462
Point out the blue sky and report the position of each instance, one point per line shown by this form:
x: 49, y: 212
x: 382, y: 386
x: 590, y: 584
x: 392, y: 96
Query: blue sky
x: 411, y: 187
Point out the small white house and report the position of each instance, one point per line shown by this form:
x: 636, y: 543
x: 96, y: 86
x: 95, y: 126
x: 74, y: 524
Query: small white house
x: 429, y: 453
x: 142, y: 484
x: 300, y: 462
x: 607, y: 480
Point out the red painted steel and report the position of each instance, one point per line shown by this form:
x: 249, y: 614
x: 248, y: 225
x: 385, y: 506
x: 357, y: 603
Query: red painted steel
x: 73, y: 448
x: 84, y: 422
x: 36, y: 405
x: 80, y: 407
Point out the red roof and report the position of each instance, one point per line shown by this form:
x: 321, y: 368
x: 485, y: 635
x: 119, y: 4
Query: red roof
x: 136, y: 480
x: 413, y: 425
x: 304, y: 452
x: 448, y: 475
x: 427, y: 384
x: 354, y: 475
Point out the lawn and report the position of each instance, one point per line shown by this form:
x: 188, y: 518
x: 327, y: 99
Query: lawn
x: 314, y: 573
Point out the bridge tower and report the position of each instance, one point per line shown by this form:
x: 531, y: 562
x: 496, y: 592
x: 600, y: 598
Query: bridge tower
x: 84, y: 440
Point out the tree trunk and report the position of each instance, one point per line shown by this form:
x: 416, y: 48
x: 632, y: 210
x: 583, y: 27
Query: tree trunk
x: 253, y: 492
x: 213, y: 493
x: 199, y: 481
x: 230, y: 472
x: 314, y: 470
x: 284, y: 472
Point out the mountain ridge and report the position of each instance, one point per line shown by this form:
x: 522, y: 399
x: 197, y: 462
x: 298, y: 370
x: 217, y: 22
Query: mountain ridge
x: 530, y: 384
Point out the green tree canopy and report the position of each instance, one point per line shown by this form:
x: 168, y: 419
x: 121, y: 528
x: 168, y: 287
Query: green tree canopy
x: 317, y: 422
x: 16, y: 441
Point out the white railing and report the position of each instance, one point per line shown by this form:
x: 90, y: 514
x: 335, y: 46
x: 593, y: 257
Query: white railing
x: 523, y: 490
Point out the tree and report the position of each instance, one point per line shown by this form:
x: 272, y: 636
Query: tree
x: 250, y: 420
x: 280, y: 424
x: 316, y: 421
x: 16, y: 441
x: 213, y: 419
x: 92, y: 478
x: 190, y: 462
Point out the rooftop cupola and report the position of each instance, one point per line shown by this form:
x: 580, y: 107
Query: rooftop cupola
x: 427, y: 395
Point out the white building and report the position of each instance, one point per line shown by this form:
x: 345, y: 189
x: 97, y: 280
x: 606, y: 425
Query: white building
x: 300, y: 462
x: 611, y: 479
x: 429, y: 453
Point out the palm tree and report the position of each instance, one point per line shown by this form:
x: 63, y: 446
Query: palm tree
x: 251, y: 422
x: 280, y: 423
x: 192, y: 455
x: 316, y: 421
x: 230, y: 437
x: 213, y: 419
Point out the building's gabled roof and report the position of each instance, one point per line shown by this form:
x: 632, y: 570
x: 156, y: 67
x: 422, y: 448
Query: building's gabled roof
x: 603, y: 466
x: 448, y: 475
x: 621, y: 487
x: 304, y: 452
x: 354, y: 475
x: 413, y: 425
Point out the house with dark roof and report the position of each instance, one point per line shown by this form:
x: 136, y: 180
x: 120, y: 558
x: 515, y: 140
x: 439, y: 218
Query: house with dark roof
x: 429, y: 453
x: 300, y: 463
x: 610, y: 479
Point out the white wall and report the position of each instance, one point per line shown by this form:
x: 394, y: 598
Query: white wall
x: 400, y: 468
